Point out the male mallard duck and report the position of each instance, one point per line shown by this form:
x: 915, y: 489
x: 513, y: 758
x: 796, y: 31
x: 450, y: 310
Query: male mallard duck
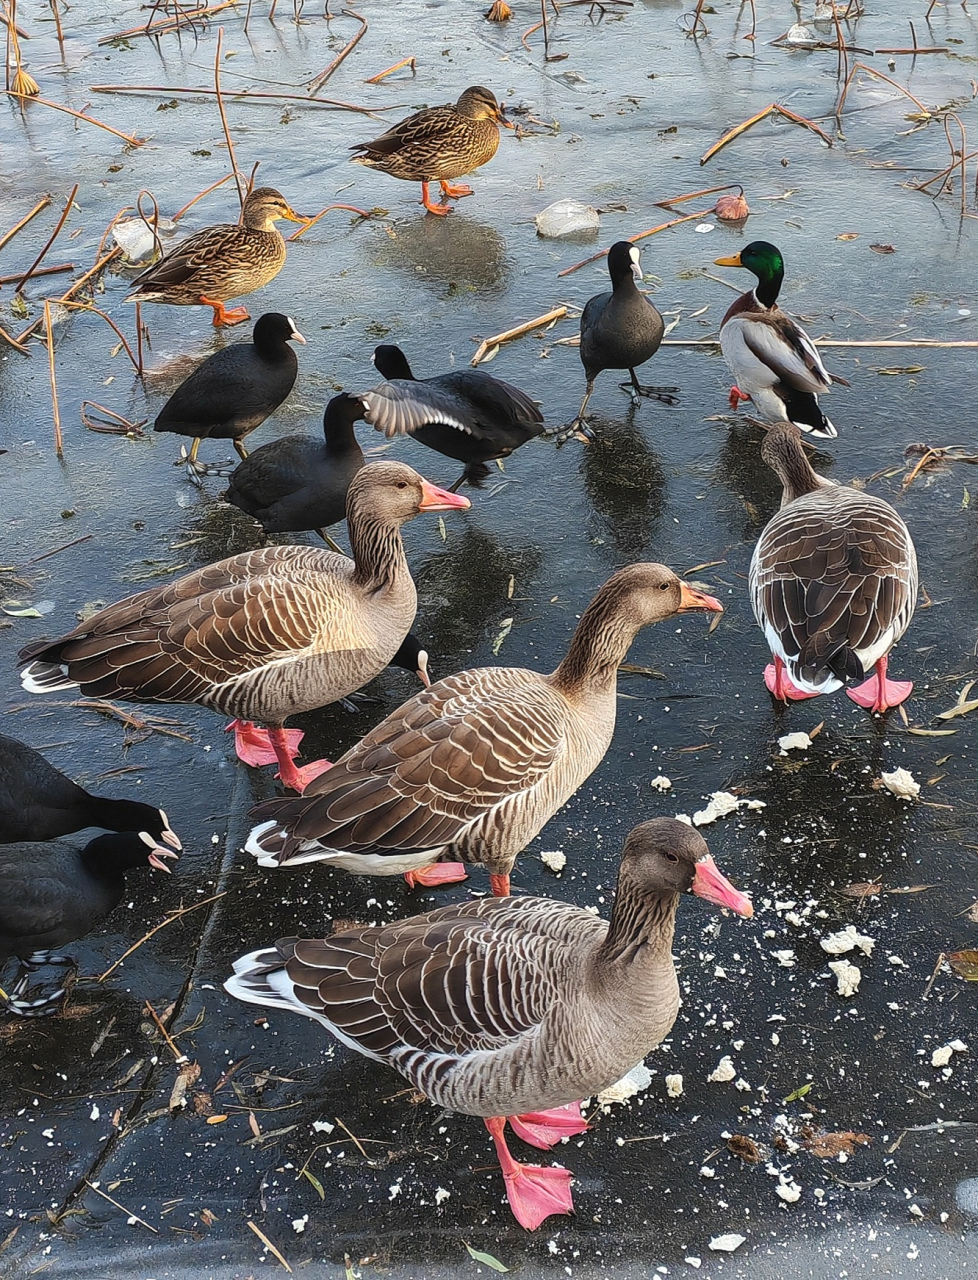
x: 465, y: 414
x: 475, y: 766
x: 438, y: 144
x: 225, y: 261
x: 233, y: 391
x: 620, y: 329
x: 263, y: 635
x: 833, y: 583
x: 770, y: 354
x: 512, y: 1009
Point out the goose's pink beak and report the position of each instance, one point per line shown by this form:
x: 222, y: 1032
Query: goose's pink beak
x: 711, y: 885
x: 435, y: 499
x: 690, y: 598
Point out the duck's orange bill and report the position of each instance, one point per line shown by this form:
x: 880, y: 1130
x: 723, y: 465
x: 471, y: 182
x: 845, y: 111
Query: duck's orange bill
x: 690, y: 598
x: 732, y: 261
x: 435, y: 499
x: 710, y: 884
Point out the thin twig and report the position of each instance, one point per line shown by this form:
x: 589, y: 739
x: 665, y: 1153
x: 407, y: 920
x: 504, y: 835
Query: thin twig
x: 125, y: 427
x: 65, y: 546
x: 540, y: 322
x: 933, y: 977
x: 405, y: 62
x: 170, y: 1043
x: 80, y: 115
x: 366, y: 214
x: 57, y: 24
x: 40, y: 271
x: 41, y: 204
x: 770, y: 109
x: 165, y: 25
x: 268, y: 1245
x: 224, y: 119
x: 168, y: 91
x: 316, y: 84
x: 642, y: 235
x: 861, y: 66
x: 51, y: 238
x: 59, y: 444
x: 9, y: 338
x: 174, y: 915
x: 128, y: 1212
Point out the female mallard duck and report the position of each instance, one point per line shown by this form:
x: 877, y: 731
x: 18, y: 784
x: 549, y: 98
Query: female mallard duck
x: 512, y: 1009
x: 465, y: 414
x: 221, y: 262
x: 438, y: 144
x: 263, y: 635
x: 770, y: 354
x: 473, y: 767
x: 833, y: 583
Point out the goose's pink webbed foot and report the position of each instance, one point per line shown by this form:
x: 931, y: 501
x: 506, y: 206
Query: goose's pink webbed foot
x: 777, y: 681
x: 438, y: 873
x: 878, y: 693
x: 534, y: 1192
x: 254, y: 747
x: 545, y: 1128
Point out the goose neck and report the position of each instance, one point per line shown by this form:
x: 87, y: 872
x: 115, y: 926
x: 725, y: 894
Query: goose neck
x: 598, y: 646
x: 378, y: 552
x: 640, y: 931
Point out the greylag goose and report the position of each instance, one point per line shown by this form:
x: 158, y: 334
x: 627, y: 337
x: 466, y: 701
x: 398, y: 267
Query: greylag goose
x: 833, y: 583
x: 512, y: 1009
x: 619, y: 330
x: 296, y: 484
x: 56, y: 893
x: 472, y: 768
x: 466, y: 414
x: 232, y: 392
x: 263, y: 635
x: 770, y: 354
x: 225, y: 261
x: 37, y: 802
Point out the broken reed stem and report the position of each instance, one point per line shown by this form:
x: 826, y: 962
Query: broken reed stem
x: 540, y: 322
x: 57, y: 24
x: 692, y: 195
x: 80, y: 115
x: 861, y: 66
x: 344, y: 53
x: 88, y: 306
x: 958, y: 159
x: 9, y: 338
x: 168, y: 91
x: 59, y: 444
x: 125, y: 427
x: 935, y: 48
x: 12, y: 26
x: 165, y: 25
x: 642, y: 235
x: 771, y: 108
x: 352, y: 208
x: 51, y: 239
x: 206, y: 191
x: 128, y: 1212
x: 698, y: 20
x: 224, y: 119
x: 41, y: 204
x: 268, y: 1245
x: 40, y: 271
x: 170, y: 1042
x: 405, y: 62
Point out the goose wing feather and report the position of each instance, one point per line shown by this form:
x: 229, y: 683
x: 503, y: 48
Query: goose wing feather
x: 471, y: 744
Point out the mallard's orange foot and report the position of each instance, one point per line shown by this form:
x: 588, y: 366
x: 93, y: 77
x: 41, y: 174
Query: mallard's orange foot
x: 223, y: 316
x: 440, y: 210
x: 736, y: 396
x: 455, y: 193
x: 437, y: 874
x: 781, y: 686
x: 253, y: 746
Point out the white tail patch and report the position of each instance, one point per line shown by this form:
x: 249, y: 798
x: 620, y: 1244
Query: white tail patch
x: 46, y: 677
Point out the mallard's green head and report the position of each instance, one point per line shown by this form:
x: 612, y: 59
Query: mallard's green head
x: 765, y: 260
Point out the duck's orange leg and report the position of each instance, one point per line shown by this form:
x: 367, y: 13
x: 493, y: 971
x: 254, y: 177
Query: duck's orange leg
x: 736, y: 395
x: 454, y: 193
x: 439, y: 209
x: 222, y: 316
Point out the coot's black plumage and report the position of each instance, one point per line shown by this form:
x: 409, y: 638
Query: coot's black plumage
x: 619, y: 330
x: 37, y: 802
x: 298, y: 483
x: 56, y: 893
x: 234, y: 390
x: 466, y: 414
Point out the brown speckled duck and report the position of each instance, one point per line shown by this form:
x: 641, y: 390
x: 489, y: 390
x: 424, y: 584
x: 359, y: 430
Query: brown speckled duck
x: 472, y: 768
x: 833, y: 583
x: 222, y: 262
x: 512, y: 1009
x: 263, y: 635
x: 438, y: 144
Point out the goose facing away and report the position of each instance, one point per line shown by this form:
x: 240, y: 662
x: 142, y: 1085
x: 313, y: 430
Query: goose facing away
x: 438, y: 144
x: 771, y: 356
x: 619, y: 330
x: 512, y: 1009
x: 471, y: 769
x: 232, y: 392
x: 296, y: 484
x: 833, y: 583
x: 263, y: 635
x: 221, y: 262
x: 37, y: 802
x: 55, y: 893
x: 466, y: 414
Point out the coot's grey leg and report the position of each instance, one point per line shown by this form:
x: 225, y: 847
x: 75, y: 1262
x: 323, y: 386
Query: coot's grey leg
x: 635, y: 389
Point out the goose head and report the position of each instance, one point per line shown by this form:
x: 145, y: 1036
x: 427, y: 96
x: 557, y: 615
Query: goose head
x: 392, y: 493
x: 665, y: 857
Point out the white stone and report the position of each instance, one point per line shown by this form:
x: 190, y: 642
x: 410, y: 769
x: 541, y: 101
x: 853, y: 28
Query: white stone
x: 790, y: 1192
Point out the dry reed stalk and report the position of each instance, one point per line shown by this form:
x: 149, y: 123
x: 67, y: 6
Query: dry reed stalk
x: 642, y: 235
x: 57, y: 23
x: 224, y: 119
x: 80, y: 115
x: 316, y: 84
x: 166, y: 25
x: 268, y: 1245
x: 773, y: 108
x: 59, y: 444
x: 88, y: 306
x: 405, y: 62
x: 352, y: 208
x: 861, y: 66
x: 40, y: 271
x: 51, y: 239
x: 101, y: 263
x: 169, y: 91
x: 206, y: 191
x: 698, y: 20
x: 133, y: 1217
x: 21, y: 33
x: 693, y: 195
x: 12, y: 341
x: 174, y: 915
x: 41, y: 204
x: 508, y: 335
x: 124, y: 427
x: 929, y: 48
